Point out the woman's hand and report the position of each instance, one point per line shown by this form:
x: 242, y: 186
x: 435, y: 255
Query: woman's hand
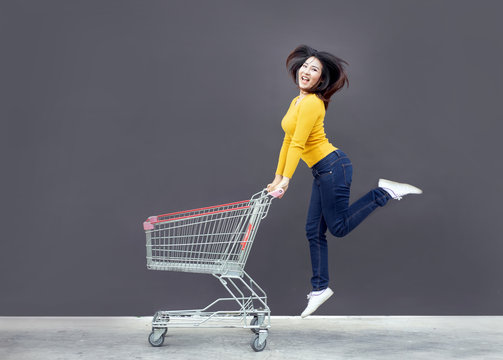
x: 275, y: 182
x: 283, y: 184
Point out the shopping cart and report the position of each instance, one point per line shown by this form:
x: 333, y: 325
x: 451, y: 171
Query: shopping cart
x: 213, y: 240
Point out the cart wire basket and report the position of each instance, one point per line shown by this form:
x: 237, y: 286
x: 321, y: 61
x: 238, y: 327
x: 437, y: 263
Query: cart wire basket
x: 214, y: 240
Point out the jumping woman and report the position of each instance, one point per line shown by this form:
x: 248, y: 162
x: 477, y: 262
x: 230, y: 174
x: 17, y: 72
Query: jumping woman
x: 318, y: 75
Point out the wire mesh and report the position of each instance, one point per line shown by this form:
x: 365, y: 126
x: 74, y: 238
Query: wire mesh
x: 215, y: 239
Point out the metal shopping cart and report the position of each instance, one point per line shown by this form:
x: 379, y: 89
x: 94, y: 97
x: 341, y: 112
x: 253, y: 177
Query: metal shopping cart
x: 213, y: 240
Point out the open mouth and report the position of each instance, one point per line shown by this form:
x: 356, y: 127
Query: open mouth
x: 304, y: 79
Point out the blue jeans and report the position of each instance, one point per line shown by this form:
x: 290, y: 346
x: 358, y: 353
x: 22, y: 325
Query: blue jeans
x: 329, y: 208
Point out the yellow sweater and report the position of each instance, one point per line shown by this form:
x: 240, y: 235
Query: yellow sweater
x: 304, y: 135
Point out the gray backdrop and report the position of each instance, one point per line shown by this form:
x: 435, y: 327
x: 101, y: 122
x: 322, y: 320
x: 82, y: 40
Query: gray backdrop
x: 112, y: 111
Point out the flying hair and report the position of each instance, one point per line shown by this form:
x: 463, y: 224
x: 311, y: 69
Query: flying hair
x: 333, y: 74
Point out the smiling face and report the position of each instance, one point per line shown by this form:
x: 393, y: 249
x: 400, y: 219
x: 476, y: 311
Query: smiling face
x: 309, y: 74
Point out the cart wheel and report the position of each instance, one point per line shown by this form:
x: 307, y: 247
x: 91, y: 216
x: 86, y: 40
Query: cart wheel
x: 254, y: 322
x: 255, y: 345
x: 159, y: 341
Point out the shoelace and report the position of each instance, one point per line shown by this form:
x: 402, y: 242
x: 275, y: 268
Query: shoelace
x: 395, y: 195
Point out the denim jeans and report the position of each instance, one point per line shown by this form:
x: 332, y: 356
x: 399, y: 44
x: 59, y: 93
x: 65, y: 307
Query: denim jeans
x: 329, y: 208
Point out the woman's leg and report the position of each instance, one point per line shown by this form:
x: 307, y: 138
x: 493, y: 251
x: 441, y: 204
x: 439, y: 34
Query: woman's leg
x: 334, y: 187
x: 315, y: 231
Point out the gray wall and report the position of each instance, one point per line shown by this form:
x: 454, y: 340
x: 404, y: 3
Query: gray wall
x: 112, y: 111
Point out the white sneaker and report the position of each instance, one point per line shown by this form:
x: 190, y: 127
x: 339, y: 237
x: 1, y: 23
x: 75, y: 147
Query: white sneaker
x: 398, y: 190
x: 315, y: 300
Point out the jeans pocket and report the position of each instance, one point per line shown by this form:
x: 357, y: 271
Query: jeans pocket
x: 328, y: 169
x: 348, y: 173
x: 324, y: 173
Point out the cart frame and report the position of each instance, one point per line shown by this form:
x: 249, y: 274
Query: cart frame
x: 214, y: 240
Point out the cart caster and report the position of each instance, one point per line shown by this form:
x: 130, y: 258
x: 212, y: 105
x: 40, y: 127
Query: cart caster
x: 258, y: 321
x: 256, y: 346
x: 254, y: 322
x: 156, y: 337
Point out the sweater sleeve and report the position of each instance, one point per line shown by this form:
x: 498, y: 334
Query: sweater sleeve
x: 309, y: 112
x: 282, y: 154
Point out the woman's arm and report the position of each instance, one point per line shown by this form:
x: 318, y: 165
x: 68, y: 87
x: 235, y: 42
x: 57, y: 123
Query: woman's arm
x: 309, y: 112
x: 311, y: 109
x: 281, y: 164
x: 282, y: 155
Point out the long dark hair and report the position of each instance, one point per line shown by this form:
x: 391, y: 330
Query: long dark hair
x: 333, y: 74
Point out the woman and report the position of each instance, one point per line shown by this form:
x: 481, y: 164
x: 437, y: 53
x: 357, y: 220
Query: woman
x: 318, y: 76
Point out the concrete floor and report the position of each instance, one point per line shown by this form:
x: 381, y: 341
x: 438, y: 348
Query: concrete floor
x: 338, y: 337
